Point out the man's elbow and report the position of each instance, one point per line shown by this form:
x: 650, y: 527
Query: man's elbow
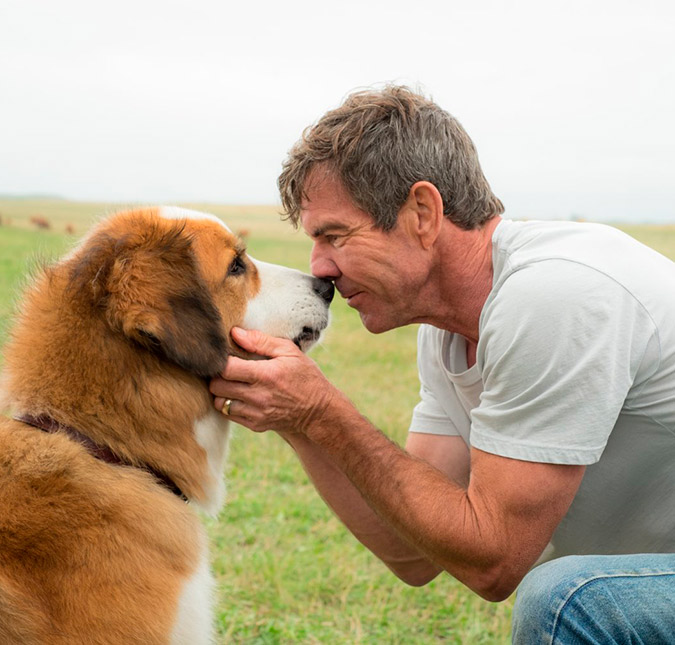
x: 417, y: 575
x: 496, y: 593
x: 495, y: 584
x: 494, y: 579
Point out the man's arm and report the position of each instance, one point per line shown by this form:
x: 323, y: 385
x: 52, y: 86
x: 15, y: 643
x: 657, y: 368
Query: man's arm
x: 449, y: 454
x: 487, y: 535
x: 348, y: 504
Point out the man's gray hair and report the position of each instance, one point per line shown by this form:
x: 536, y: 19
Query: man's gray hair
x: 379, y: 143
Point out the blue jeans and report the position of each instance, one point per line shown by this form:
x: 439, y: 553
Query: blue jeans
x: 598, y: 600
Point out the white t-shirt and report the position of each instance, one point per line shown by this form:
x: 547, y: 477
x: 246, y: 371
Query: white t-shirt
x: 575, y: 364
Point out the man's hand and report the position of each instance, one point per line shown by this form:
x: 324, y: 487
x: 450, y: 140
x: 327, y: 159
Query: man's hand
x: 287, y: 393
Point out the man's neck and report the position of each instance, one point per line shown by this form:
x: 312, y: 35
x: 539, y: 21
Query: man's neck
x: 464, y: 279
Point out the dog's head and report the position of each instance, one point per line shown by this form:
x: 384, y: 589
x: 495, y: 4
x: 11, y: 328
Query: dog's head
x: 175, y: 282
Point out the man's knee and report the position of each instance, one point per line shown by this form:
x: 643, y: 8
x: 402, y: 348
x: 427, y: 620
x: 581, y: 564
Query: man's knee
x: 541, y: 596
x: 597, y: 599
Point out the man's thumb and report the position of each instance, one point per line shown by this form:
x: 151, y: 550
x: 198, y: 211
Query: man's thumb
x: 256, y: 342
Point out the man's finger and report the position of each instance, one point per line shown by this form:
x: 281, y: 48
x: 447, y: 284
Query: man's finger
x: 242, y: 370
x: 257, y: 342
x: 235, y: 411
x: 225, y: 388
x: 230, y: 407
x: 219, y: 404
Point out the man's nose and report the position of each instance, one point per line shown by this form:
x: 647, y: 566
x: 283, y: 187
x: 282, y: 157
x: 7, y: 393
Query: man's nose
x: 321, y: 266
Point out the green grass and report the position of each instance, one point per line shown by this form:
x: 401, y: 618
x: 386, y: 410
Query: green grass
x: 287, y: 570
x: 21, y: 251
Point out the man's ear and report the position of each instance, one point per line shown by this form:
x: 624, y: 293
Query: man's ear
x: 155, y: 297
x: 425, y: 212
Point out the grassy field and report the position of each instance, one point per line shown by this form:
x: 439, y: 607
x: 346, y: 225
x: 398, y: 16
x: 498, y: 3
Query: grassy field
x: 287, y: 570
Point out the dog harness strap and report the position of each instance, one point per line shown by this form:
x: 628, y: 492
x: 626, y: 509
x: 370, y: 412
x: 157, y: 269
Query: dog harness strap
x: 47, y: 424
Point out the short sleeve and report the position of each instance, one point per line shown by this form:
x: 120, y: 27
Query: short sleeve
x: 430, y: 415
x: 560, y: 344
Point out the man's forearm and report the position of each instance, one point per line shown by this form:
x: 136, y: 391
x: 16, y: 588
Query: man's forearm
x: 448, y: 526
x: 376, y: 469
x: 348, y: 504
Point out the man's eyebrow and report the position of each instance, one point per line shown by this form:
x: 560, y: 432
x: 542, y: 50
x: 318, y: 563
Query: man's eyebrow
x: 330, y: 226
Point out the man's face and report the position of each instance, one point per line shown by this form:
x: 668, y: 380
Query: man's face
x: 376, y: 271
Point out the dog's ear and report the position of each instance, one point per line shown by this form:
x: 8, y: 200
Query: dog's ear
x: 177, y: 321
x: 147, y: 286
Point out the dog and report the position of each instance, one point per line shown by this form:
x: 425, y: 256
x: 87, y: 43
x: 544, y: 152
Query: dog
x: 113, y: 429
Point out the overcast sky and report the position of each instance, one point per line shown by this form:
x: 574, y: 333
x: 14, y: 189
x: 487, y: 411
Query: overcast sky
x: 571, y: 104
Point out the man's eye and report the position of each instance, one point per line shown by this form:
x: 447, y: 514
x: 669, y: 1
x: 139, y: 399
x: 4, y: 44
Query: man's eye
x: 237, y: 267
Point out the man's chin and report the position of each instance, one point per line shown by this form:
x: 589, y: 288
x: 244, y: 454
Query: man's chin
x: 373, y: 324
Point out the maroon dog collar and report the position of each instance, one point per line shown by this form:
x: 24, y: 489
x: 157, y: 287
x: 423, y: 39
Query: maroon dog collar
x: 47, y: 424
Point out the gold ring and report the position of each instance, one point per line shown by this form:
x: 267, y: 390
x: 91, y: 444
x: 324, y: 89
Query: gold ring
x: 226, y: 407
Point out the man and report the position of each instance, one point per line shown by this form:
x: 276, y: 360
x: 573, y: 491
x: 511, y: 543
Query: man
x: 546, y: 355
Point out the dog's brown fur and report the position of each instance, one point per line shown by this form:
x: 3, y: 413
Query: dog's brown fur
x: 117, y: 340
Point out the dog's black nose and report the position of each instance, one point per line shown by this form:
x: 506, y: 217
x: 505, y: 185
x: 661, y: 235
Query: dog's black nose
x: 324, y: 288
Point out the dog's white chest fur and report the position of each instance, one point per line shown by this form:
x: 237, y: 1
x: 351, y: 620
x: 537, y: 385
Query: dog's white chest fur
x: 212, y: 434
x: 194, y: 621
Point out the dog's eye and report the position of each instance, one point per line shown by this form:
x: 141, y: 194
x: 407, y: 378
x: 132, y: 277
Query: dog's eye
x: 237, y: 267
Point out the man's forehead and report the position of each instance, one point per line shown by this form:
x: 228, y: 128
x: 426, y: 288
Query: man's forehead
x: 327, y: 204
x: 324, y: 191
